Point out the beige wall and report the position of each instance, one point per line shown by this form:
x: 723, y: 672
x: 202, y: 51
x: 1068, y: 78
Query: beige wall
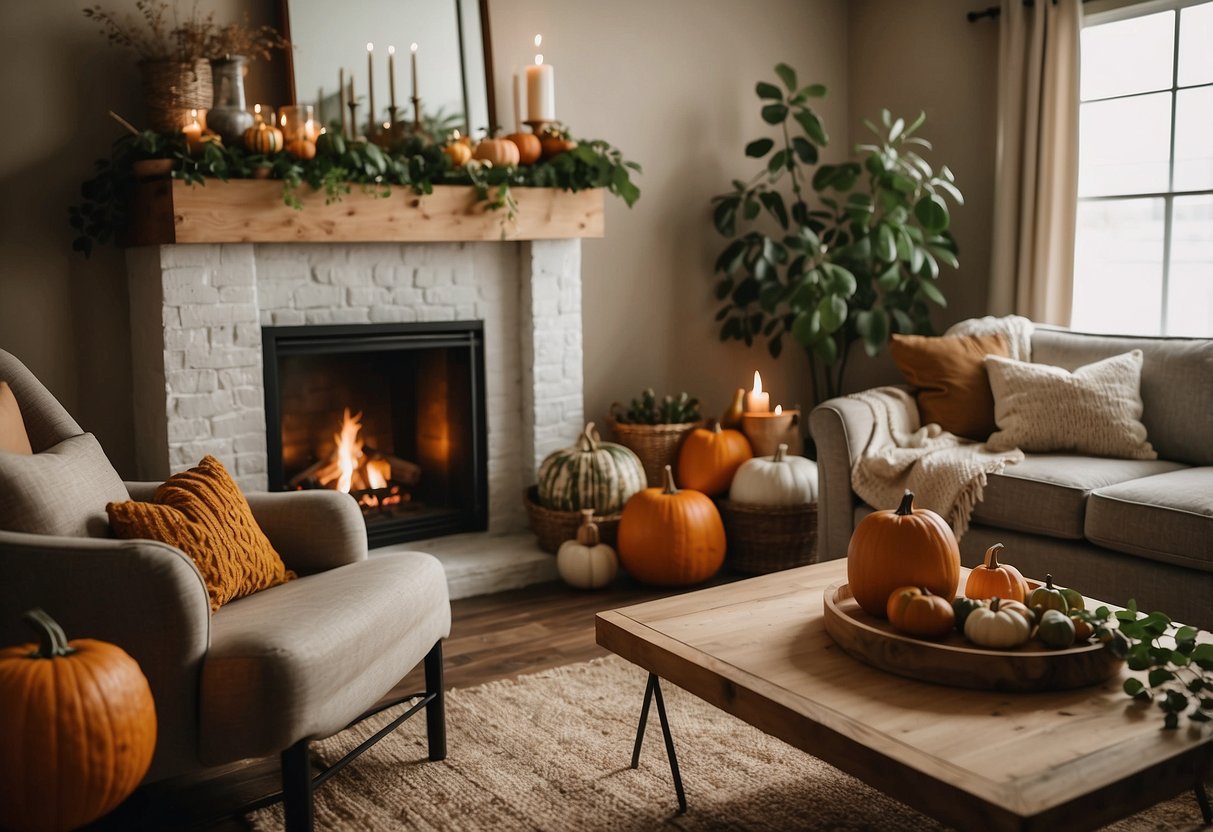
x: 671, y: 83
x: 64, y: 316
x: 926, y: 56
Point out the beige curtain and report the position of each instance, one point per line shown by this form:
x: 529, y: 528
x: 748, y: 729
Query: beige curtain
x: 1036, y: 184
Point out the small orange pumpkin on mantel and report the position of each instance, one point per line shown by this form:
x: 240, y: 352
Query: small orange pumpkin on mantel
x: 993, y: 579
x: 458, y: 152
x: 710, y: 457
x: 905, y: 546
x: 529, y: 147
x: 499, y: 152
x: 671, y: 537
x: 77, y: 720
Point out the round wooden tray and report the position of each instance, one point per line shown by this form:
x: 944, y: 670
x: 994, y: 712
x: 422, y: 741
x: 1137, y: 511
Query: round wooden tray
x: 958, y: 663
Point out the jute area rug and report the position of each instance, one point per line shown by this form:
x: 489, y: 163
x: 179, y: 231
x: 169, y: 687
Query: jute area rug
x: 551, y: 751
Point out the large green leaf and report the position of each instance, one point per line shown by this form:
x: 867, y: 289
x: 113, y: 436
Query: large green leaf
x: 766, y: 90
x: 823, y: 177
x: 890, y: 277
x: 759, y: 148
x: 787, y: 75
x: 811, y: 125
x: 775, y: 207
x: 725, y: 216
x: 806, y: 328
x: 873, y: 327
x: 932, y: 293
x: 724, y: 288
x: 839, y: 280
x: 806, y: 150
x: 886, y: 244
x: 932, y: 213
x: 774, y: 113
x: 945, y: 255
x: 730, y: 258
x: 777, y: 161
x: 812, y: 91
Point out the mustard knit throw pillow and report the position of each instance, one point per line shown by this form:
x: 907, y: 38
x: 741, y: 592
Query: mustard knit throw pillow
x: 202, y: 512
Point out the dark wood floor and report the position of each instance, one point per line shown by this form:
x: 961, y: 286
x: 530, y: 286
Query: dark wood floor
x: 492, y: 637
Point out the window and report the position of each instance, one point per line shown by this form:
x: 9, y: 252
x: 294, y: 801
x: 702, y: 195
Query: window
x: 1143, y: 259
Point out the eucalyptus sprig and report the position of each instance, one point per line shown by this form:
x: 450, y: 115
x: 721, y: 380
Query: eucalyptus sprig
x: 1179, y: 674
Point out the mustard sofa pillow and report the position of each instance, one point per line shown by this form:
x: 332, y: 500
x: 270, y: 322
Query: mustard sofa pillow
x: 203, y: 513
x: 950, y: 374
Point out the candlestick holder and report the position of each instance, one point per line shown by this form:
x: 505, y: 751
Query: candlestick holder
x: 766, y: 431
x: 353, y: 105
x: 538, y: 126
x: 416, y: 113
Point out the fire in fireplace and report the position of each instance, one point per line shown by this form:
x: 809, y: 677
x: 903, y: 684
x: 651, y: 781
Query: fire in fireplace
x: 390, y: 414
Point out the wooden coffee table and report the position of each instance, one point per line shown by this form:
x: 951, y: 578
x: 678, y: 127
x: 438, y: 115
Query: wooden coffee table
x: 758, y: 649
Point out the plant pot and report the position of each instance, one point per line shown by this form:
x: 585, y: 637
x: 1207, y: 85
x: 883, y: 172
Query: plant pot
x: 171, y: 89
x: 152, y: 168
x: 228, y: 115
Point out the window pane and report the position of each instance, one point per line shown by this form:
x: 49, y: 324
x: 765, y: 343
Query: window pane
x: 1118, y: 266
x: 1190, y: 290
x: 1124, y: 145
x: 1194, y: 139
x: 1128, y: 56
x: 1195, y: 38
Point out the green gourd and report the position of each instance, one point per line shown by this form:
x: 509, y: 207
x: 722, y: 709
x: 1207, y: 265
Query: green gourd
x: 591, y: 474
x: 1049, y: 597
x: 962, y: 607
x: 1056, y: 630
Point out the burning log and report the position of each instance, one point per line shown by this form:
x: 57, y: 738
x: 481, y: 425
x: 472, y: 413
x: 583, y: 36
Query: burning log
x: 353, y: 466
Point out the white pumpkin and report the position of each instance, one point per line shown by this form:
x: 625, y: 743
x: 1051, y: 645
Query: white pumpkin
x: 778, y: 480
x: 586, y: 563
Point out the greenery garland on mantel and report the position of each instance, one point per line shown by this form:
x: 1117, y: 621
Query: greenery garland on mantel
x: 416, y: 162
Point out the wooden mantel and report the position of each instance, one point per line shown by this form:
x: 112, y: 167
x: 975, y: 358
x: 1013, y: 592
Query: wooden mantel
x: 252, y: 211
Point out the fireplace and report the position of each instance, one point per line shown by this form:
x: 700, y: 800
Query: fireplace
x: 393, y: 414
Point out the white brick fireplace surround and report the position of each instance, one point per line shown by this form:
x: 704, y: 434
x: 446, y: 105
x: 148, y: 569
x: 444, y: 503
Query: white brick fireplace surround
x: 196, y: 318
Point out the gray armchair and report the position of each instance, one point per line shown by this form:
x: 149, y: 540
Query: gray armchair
x: 264, y: 674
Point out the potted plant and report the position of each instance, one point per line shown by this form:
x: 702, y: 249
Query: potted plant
x: 859, y: 262
x: 654, y: 429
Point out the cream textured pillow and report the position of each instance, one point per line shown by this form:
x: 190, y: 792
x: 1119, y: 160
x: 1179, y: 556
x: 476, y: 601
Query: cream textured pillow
x: 1094, y: 410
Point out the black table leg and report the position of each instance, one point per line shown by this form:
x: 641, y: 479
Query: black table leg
x: 653, y: 690
x: 1202, y: 798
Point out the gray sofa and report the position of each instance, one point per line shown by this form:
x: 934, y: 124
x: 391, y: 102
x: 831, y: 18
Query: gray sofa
x: 1113, y: 528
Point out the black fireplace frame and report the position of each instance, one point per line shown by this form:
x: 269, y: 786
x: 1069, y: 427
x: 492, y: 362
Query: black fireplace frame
x: 328, y: 339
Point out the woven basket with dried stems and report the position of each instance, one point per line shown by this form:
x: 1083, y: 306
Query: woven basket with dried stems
x: 656, y: 445
x: 171, y: 89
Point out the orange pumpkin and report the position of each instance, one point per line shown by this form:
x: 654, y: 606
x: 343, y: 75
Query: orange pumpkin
x: 529, y: 147
x: 671, y: 537
x: 917, y: 612
x: 77, y: 720
x: 709, y: 459
x: 263, y: 138
x: 500, y: 152
x: 301, y: 149
x: 901, y: 547
x: 553, y: 144
x: 992, y: 578
x: 458, y: 152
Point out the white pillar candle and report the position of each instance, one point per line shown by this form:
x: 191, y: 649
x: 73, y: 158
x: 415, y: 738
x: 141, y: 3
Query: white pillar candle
x: 757, y: 401
x: 540, y: 91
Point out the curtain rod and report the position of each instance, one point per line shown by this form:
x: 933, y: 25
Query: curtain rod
x: 993, y: 12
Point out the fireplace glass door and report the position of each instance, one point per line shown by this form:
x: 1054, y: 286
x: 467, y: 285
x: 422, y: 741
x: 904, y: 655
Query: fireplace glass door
x: 392, y: 415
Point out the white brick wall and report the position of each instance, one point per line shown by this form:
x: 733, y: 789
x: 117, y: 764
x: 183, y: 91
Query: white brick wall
x: 200, y: 391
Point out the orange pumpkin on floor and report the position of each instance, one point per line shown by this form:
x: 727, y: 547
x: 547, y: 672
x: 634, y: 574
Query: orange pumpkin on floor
x: 901, y: 547
x: 77, y: 719
x: 710, y: 457
x: 671, y: 537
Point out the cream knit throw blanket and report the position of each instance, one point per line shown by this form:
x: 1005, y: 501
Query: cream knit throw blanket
x: 946, y: 473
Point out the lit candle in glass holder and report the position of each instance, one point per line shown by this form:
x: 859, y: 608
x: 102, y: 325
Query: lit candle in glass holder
x: 193, y: 132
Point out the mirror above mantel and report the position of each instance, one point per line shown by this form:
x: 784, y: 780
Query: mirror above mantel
x: 453, y: 58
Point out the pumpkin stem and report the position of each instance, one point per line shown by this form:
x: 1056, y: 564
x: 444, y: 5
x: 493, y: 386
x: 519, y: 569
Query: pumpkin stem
x: 780, y: 452
x: 52, y: 641
x: 587, y: 532
x: 669, y: 488
x: 995, y: 603
x: 716, y: 426
x: 991, y: 561
x: 907, y: 504
x: 587, y: 441
x: 1048, y: 582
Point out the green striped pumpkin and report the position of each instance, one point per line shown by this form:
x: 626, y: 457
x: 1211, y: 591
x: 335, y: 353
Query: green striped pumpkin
x: 592, y: 474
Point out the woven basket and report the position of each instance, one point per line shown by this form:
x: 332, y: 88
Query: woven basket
x: 171, y: 89
x: 765, y: 538
x: 656, y: 445
x: 555, y: 527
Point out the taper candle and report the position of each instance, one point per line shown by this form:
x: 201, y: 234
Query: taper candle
x: 413, y: 51
x: 391, y: 75
x: 517, y: 104
x: 341, y: 100
x: 370, y: 89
